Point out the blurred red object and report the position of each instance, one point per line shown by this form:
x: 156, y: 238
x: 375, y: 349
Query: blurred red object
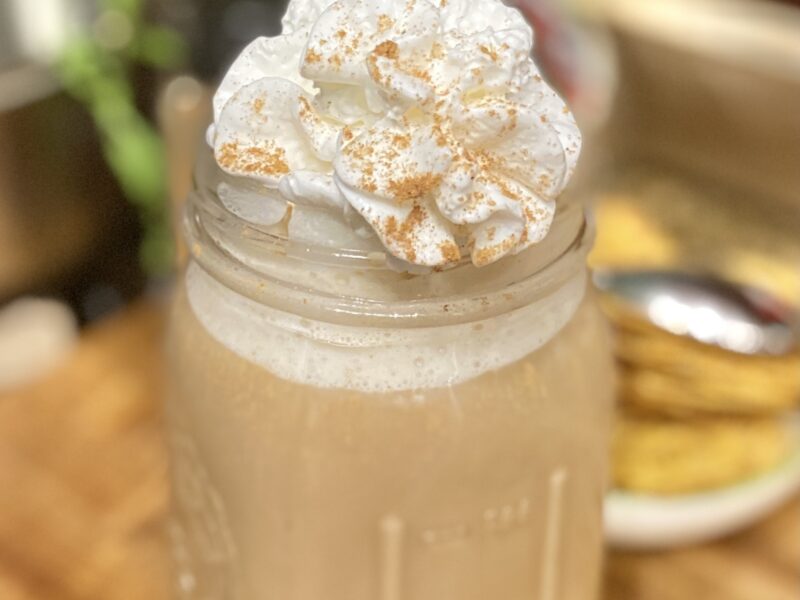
x: 555, y: 48
x: 578, y: 59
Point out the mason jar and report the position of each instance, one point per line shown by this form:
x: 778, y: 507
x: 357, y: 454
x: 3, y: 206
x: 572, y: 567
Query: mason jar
x: 343, y: 430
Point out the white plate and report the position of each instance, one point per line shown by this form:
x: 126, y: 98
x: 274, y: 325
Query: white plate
x: 642, y: 522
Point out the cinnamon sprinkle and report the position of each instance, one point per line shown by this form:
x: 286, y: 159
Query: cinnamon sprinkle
x: 404, y: 236
x: 414, y: 186
x: 305, y: 107
x: 312, y: 57
x: 450, y: 252
x: 441, y: 138
x: 402, y: 141
x: 484, y: 256
x: 369, y: 185
x: 385, y: 22
x: 388, y: 49
x: 490, y: 52
x: 507, y: 191
x: 268, y: 161
x: 544, y: 180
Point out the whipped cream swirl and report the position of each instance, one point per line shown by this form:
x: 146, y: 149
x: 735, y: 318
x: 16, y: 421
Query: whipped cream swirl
x: 427, y: 117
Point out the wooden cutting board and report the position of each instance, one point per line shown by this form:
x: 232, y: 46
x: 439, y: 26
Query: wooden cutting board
x: 83, y: 492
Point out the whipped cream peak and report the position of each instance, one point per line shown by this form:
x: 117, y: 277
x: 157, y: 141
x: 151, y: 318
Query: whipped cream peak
x: 427, y: 118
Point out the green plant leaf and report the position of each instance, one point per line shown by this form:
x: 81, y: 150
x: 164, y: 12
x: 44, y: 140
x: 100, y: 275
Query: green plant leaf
x: 160, y: 47
x: 99, y: 78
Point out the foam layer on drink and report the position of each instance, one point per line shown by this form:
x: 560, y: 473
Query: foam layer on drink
x: 371, y: 359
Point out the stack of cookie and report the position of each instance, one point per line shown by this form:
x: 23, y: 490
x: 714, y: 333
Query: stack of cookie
x: 693, y: 416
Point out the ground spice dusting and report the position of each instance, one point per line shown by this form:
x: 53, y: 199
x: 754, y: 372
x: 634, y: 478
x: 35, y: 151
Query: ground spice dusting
x: 354, y: 45
x: 308, y: 116
x: 258, y: 105
x: 414, y: 186
x: 375, y: 73
x: 487, y: 161
x: 450, y: 251
x: 268, y: 161
x: 402, y: 141
x: 387, y: 49
x: 385, y: 22
x: 512, y: 113
x: 441, y: 137
x: 544, y: 180
x: 418, y: 73
x: 490, y: 52
x: 507, y: 191
x: 529, y: 214
x: 484, y: 256
x: 312, y: 57
x: 404, y: 236
x: 360, y: 151
x: 488, y: 176
x: 305, y: 107
x: 390, y: 226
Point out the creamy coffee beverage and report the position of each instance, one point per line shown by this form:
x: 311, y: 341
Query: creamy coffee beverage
x: 389, y: 378
x: 308, y: 488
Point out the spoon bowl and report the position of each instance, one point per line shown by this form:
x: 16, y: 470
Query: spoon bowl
x: 709, y: 310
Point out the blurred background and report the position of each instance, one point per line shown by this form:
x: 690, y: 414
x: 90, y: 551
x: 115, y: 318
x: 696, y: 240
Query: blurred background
x: 691, y: 169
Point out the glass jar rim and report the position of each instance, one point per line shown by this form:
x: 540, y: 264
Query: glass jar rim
x: 237, y: 253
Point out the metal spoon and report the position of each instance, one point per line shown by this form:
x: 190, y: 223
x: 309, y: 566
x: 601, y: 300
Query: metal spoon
x: 706, y: 309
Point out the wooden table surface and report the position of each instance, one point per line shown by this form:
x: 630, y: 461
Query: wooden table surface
x: 83, y: 492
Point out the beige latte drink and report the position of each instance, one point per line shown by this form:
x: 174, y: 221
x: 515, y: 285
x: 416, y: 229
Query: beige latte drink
x: 390, y: 381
